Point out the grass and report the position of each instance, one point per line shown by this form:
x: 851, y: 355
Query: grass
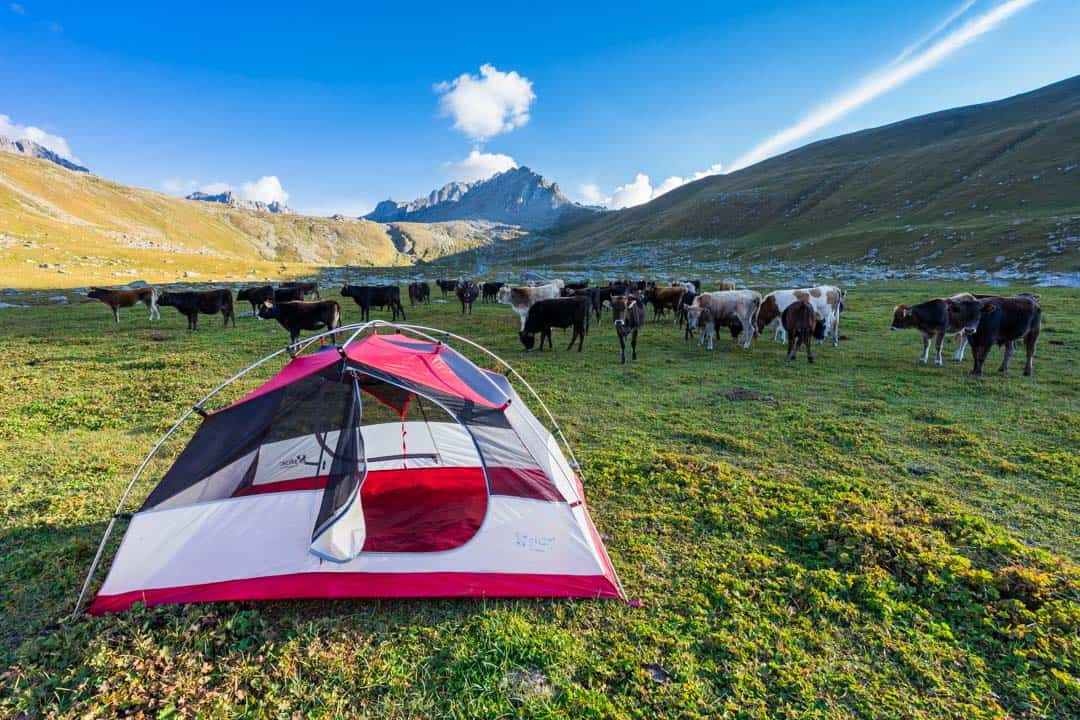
x: 869, y: 538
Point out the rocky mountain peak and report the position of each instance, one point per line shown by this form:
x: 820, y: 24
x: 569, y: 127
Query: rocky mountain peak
x: 231, y: 199
x: 33, y: 149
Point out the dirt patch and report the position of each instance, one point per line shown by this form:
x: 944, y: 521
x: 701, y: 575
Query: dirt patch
x: 742, y: 394
x: 658, y: 673
x: 523, y: 684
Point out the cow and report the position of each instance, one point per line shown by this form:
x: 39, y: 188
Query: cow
x: 663, y: 299
x: 736, y: 309
x: 1003, y: 321
x: 601, y: 296
x: 681, y: 312
x: 288, y: 293
x: 522, y: 298
x: 701, y: 317
x: 467, y: 291
x: 446, y: 286
x: 306, y: 288
x: 555, y: 312
x: 190, y: 303
x: 579, y: 285
x: 826, y: 300
x: 800, y: 323
x: 726, y: 285
x: 490, y: 291
x: 378, y: 295
x: 628, y: 316
x: 936, y: 318
x: 419, y: 292
x: 297, y: 315
x: 256, y: 296
x: 117, y: 299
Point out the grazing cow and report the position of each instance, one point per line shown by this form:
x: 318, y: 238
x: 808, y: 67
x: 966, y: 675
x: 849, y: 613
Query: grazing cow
x: 467, y: 291
x: 826, y: 300
x: 1003, y: 321
x: 938, y: 317
x: 736, y: 309
x: 306, y: 288
x: 800, y: 323
x: 288, y: 293
x: 701, y: 317
x: 663, y: 299
x: 419, y: 292
x: 191, y: 303
x: 446, y: 286
x: 256, y: 296
x: 556, y: 312
x: 490, y: 291
x: 579, y: 285
x: 378, y: 295
x: 523, y: 298
x: 297, y: 315
x: 628, y: 315
x: 117, y: 299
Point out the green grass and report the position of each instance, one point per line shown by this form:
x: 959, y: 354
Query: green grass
x: 789, y: 562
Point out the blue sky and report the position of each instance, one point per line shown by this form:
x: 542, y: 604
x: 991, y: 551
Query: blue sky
x: 344, y: 105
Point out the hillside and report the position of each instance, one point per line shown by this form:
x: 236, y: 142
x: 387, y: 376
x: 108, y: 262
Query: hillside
x: 994, y: 186
x: 60, y: 228
x: 519, y: 196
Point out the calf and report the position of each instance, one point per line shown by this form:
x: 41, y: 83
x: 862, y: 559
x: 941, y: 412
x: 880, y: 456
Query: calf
x: 306, y: 288
x: 800, y: 323
x: 701, y: 317
x: 297, y: 315
x: 419, y: 292
x: 1003, y: 321
x: 380, y: 296
x: 827, y: 301
x: 446, y: 286
x: 467, y: 291
x: 938, y: 317
x: 736, y: 309
x: 117, y: 299
x: 681, y: 312
x: 191, y: 303
x: 523, y: 298
x: 628, y: 315
x: 256, y: 296
x: 490, y: 291
x: 663, y: 299
x: 555, y: 312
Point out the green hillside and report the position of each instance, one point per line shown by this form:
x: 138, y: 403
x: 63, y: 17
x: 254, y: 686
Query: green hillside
x: 995, y: 186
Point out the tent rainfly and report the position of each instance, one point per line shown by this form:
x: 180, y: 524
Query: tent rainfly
x: 393, y: 467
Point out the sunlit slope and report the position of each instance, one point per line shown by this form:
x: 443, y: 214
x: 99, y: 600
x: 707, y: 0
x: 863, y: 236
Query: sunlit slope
x: 990, y: 185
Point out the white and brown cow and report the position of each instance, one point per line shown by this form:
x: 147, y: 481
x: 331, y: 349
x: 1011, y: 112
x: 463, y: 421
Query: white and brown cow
x: 523, y: 298
x: 826, y: 300
x: 736, y: 309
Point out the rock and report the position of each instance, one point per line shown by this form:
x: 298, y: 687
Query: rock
x: 58, y: 299
x: 523, y: 684
x: 920, y: 470
x: 657, y: 673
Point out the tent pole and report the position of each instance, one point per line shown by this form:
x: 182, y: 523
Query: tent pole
x: 197, y: 407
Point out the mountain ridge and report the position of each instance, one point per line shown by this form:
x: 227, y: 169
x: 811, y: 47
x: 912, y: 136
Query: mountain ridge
x: 228, y: 197
x: 29, y: 148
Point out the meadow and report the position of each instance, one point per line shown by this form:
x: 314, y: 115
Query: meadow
x: 862, y: 537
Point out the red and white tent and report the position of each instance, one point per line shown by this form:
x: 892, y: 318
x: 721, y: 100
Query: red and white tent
x: 392, y: 467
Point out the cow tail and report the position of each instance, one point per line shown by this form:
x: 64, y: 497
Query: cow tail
x: 754, y: 317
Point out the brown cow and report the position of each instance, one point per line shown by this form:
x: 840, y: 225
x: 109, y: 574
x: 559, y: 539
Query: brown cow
x: 663, y: 299
x: 800, y: 322
x: 117, y: 299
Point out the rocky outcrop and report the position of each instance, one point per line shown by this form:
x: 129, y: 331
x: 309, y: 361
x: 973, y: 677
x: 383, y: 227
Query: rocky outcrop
x: 32, y: 149
x: 229, y: 198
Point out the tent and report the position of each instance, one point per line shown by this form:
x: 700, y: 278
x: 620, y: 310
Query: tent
x: 390, y: 466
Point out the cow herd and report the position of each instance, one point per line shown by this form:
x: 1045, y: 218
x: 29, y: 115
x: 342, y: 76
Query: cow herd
x: 795, y: 316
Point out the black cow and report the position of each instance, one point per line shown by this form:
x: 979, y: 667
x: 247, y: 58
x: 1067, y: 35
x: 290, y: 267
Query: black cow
x: 208, y: 302
x: 628, y: 314
x: 938, y: 317
x: 490, y: 291
x: 288, y: 293
x: 599, y: 296
x: 380, y: 296
x: 256, y: 296
x: 419, y: 292
x: 467, y: 291
x: 556, y: 312
x: 579, y: 285
x: 297, y: 315
x: 800, y: 323
x: 1003, y: 321
x: 680, y: 313
x: 307, y: 288
x: 447, y: 286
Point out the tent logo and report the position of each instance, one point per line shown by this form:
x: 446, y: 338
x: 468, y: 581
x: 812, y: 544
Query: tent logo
x: 535, y: 543
x: 297, y: 461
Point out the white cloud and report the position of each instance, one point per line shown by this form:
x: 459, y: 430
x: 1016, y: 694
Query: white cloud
x: 179, y: 186
x: 486, y: 105
x: 216, y: 188
x: 635, y: 193
x: 883, y: 80
x: 479, y: 166
x: 266, y: 189
x: 641, y: 190
x: 17, y: 8
x: 55, y: 143
x: 590, y: 194
x: 716, y: 169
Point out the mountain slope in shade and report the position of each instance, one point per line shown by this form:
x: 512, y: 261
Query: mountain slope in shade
x: 29, y: 148
x: 992, y: 186
x: 230, y: 198
x: 519, y: 196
